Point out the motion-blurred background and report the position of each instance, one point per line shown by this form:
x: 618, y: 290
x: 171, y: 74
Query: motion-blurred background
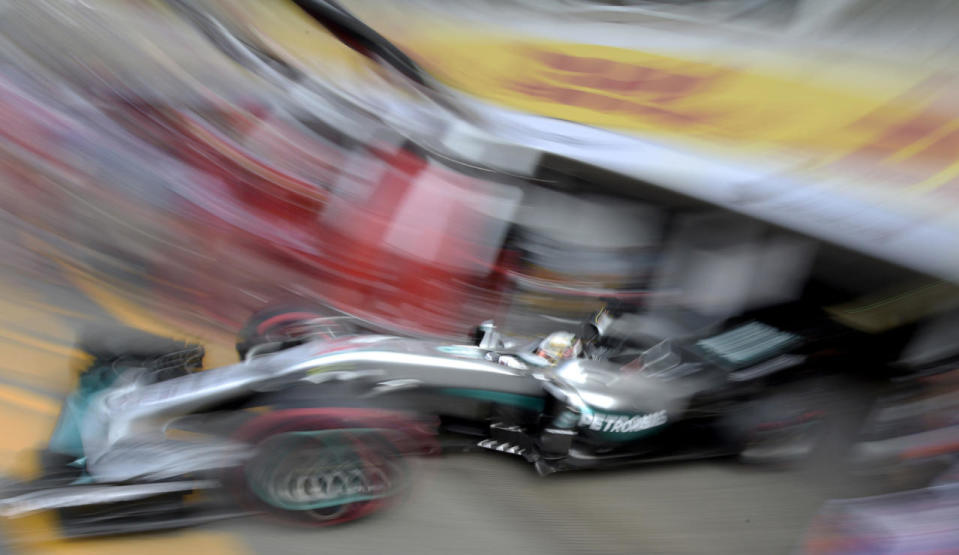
x: 175, y: 165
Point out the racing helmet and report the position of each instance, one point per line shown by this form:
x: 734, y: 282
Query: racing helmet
x: 558, y: 346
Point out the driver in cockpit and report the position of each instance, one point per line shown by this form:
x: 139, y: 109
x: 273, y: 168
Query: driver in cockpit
x: 558, y: 347
x: 555, y: 348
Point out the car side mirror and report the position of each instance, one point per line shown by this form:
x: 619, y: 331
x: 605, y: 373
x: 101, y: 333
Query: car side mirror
x: 486, y: 336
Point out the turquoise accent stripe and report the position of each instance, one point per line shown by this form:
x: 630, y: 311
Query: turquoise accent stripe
x: 526, y: 401
x: 66, y: 437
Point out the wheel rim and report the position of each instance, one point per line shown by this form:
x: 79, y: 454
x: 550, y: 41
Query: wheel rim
x: 323, y: 475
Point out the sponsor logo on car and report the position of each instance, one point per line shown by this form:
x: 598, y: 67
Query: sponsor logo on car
x: 621, y: 423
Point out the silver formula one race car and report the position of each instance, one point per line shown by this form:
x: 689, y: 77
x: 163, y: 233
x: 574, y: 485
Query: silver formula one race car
x: 318, y: 422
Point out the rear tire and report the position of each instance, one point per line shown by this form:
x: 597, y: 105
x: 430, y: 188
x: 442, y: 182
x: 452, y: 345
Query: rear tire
x: 788, y: 427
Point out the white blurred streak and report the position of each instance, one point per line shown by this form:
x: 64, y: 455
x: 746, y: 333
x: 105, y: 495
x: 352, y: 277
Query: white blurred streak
x: 453, y: 221
x: 724, y: 265
x: 592, y: 222
x: 781, y: 270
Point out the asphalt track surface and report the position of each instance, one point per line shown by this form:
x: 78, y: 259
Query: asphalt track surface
x: 462, y: 504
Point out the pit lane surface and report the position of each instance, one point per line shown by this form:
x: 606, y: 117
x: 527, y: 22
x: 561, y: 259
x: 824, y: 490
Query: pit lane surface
x: 461, y: 504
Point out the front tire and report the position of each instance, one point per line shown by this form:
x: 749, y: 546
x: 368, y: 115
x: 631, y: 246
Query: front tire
x: 306, y: 460
x: 302, y: 476
x: 282, y: 326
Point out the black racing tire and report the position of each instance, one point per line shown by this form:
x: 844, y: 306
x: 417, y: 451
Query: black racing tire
x: 787, y: 427
x: 379, y: 453
x: 285, y: 325
x: 833, y: 408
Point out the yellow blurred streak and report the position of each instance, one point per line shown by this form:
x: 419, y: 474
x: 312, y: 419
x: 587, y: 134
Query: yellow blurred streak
x: 43, y: 307
x: 219, y: 354
x: 35, y: 318
x: 28, y: 400
x: 790, y: 100
x: 905, y: 305
x: 27, y: 422
x: 47, y: 346
x: 936, y: 181
x: 802, y: 105
x: 281, y: 25
x: 116, y: 305
x: 24, y: 431
x: 31, y: 365
x: 716, y: 100
x: 137, y: 316
x: 40, y: 528
x: 219, y: 346
x: 923, y: 143
x: 207, y: 543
